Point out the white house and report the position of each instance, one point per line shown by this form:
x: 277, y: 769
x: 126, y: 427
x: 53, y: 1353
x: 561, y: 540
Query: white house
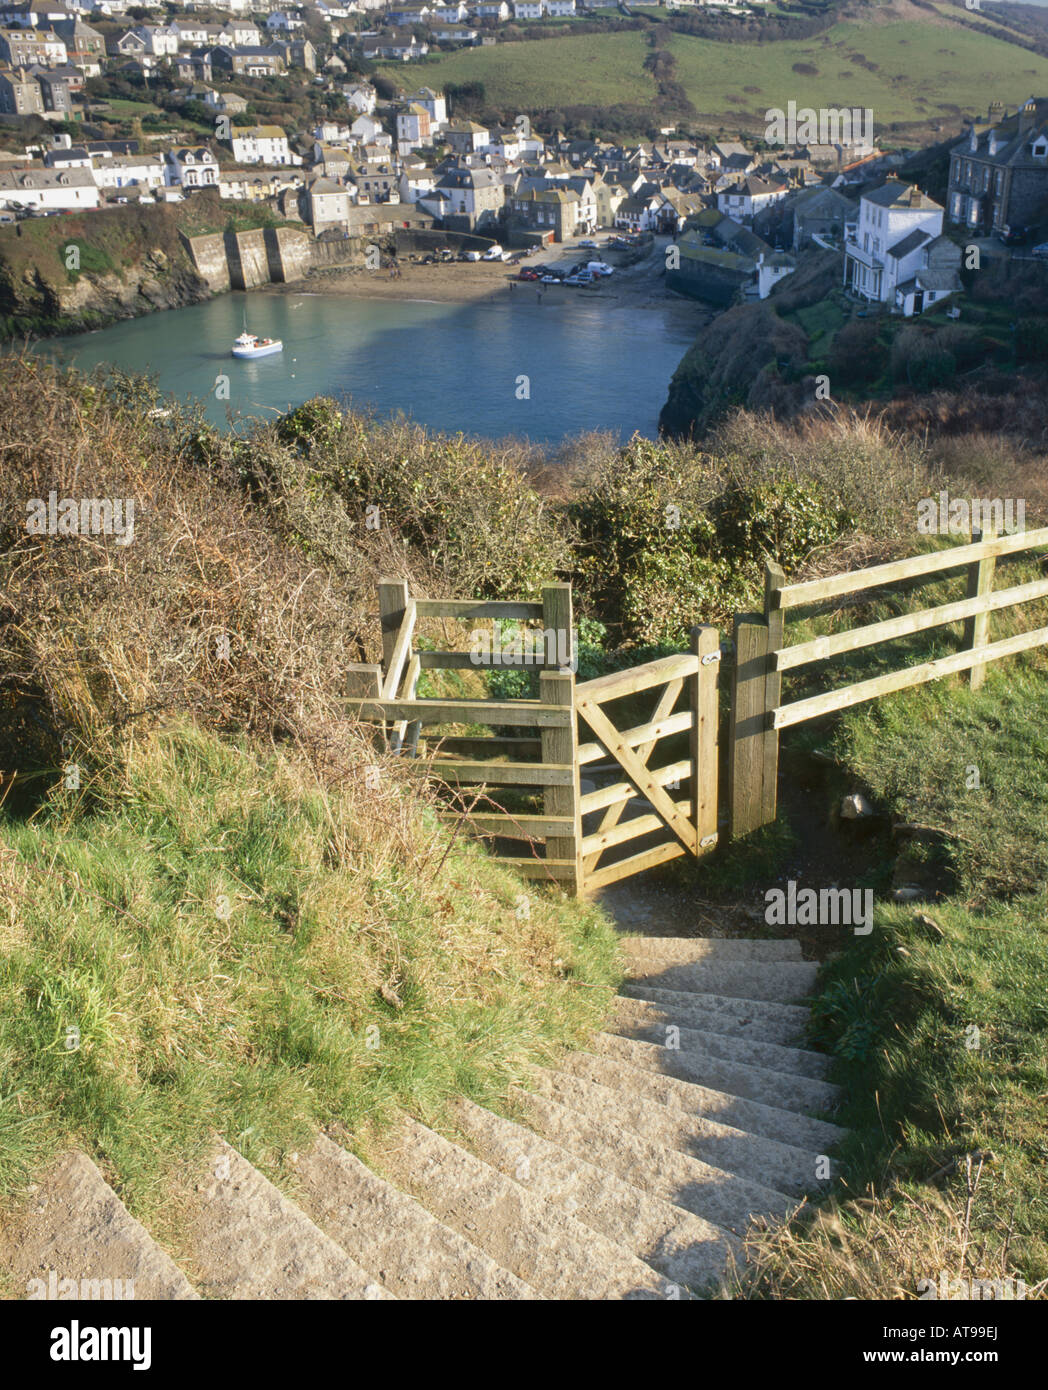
x: 749, y: 196
x: 505, y: 143
x: 161, y: 41
x: 360, y: 96
x: 898, y: 255
x: 413, y: 128
x: 191, y: 167
x: 541, y: 9
x: 60, y: 189
x: 771, y: 269
x: 433, y: 102
x: 280, y: 22
x: 473, y: 195
x: 415, y: 182
x: 261, y: 144
x: 130, y: 171
x: 364, y: 129
x: 328, y: 204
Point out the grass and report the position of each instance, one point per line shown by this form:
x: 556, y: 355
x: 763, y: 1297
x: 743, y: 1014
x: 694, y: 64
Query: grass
x: 818, y: 320
x: 911, y: 71
x: 218, y: 943
x: 588, y: 69
x: 923, y: 72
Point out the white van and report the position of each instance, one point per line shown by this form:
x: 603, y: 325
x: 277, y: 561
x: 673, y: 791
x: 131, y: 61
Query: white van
x: 599, y: 268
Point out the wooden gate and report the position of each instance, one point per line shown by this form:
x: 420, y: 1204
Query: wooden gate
x: 678, y: 824
x: 537, y: 747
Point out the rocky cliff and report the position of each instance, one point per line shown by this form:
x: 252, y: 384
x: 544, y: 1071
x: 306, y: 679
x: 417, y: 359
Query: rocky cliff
x: 62, y: 274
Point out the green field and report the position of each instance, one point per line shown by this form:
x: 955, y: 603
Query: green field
x: 919, y: 72
x: 911, y: 71
x: 587, y: 70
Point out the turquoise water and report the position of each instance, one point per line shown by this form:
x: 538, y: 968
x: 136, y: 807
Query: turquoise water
x: 586, y: 363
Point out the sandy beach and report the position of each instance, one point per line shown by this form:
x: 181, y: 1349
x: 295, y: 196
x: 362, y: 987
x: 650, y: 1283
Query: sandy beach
x: 459, y: 282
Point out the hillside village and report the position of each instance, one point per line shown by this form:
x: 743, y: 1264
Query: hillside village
x: 743, y: 215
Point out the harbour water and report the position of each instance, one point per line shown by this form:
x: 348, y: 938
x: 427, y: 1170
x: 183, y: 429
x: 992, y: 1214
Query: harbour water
x: 508, y: 364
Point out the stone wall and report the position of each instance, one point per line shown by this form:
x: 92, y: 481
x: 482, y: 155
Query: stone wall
x: 269, y: 255
x: 248, y: 261
x: 208, y: 254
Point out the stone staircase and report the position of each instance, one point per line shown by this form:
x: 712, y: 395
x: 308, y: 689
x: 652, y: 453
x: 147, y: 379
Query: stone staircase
x: 631, y: 1171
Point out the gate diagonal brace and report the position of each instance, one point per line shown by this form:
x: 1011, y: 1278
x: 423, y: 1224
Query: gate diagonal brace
x: 637, y: 772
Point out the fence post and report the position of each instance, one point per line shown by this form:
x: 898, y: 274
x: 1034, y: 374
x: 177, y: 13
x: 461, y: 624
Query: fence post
x: 392, y: 600
x: 748, y: 724
x: 774, y: 580
x: 557, y: 618
x: 980, y: 585
x: 561, y: 745
x: 705, y: 643
x: 363, y: 682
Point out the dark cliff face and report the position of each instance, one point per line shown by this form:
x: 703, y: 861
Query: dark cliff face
x: 734, y: 363
x: 749, y: 356
x: 64, y: 274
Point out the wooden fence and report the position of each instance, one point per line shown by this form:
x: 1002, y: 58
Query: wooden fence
x: 762, y: 656
x: 533, y: 745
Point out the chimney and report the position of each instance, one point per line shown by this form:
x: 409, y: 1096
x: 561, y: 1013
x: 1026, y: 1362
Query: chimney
x: 1027, y: 116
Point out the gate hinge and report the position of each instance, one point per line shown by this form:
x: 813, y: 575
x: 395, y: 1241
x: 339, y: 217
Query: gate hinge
x: 710, y: 658
x: 708, y: 841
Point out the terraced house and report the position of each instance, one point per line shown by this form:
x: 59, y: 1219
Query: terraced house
x: 25, y: 48
x: 999, y: 171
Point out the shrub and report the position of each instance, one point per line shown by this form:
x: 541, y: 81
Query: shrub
x: 780, y: 520
x: 857, y: 356
x: 466, y: 505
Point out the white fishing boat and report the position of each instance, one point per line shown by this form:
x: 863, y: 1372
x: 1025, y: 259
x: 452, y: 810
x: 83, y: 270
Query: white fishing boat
x: 248, y: 345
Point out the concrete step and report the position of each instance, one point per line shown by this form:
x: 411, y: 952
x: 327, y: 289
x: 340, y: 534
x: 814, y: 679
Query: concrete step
x: 786, y: 1126
x: 750, y: 1156
x: 782, y: 1089
x: 703, y: 1043
x: 541, y: 1244
x: 75, y: 1228
x: 687, y: 1250
x: 720, y: 1198
x: 780, y: 981
x: 250, y: 1241
x: 717, y: 1013
x: 411, y: 1252
x: 689, y: 950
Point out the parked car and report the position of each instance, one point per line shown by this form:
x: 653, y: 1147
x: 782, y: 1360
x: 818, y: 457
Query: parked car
x: 1041, y: 252
x: 586, y: 241
x: 528, y: 274
x: 1012, y: 236
x: 469, y: 255
x: 551, y: 279
x: 581, y: 277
